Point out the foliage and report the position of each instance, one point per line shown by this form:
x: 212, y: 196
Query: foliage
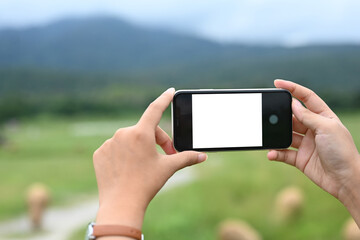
x: 103, y: 65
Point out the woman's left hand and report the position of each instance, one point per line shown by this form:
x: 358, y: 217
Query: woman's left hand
x: 130, y: 171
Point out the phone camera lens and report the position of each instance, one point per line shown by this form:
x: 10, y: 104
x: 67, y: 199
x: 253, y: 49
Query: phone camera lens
x: 273, y: 119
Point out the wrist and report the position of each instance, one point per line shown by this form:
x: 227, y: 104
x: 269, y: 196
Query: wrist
x: 118, y: 212
x: 113, y: 232
x: 349, y: 194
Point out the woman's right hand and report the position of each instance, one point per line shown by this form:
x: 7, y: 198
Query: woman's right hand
x: 326, y: 152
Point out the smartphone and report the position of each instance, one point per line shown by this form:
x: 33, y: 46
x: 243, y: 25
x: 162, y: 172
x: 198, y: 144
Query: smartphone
x: 231, y: 119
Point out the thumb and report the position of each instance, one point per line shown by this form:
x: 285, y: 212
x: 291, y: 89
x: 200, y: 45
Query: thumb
x: 308, y: 118
x: 185, y: 159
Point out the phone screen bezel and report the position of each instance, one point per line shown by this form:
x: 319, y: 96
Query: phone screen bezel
x: 274, y: 101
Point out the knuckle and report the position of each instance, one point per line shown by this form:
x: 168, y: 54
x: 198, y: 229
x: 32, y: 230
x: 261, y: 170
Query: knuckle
x: 99, y: 152
x: 333, y: 124
x: 310, y: 94
x: 282, y: 155
x: 96, y: 154
x: 154, y: 105
x: 189, y: 159
x: 285, y: 155
x: 137, y: 134
x: 119, y: 133
x: 130, y: 134
x: 107, y: 143
x: 190, y: 162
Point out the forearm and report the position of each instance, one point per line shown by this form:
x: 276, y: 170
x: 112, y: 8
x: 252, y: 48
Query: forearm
x: 353, y: 206
x: 350, y: 194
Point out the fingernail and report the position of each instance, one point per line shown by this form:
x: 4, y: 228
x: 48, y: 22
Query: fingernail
x: 170, y: 90
x: 272, y: 152
x: 202, y: 157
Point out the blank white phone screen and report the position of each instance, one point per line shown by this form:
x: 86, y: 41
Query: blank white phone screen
x: 227, y: 120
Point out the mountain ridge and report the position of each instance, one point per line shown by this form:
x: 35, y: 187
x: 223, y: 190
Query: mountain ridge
x: 96, y: 63
x: 98, y: 43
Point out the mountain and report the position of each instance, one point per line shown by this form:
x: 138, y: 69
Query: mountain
x: 105, y: 44
x: 109, y: 64
x: 100, y: 44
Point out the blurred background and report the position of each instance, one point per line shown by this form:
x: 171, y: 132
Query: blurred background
x: 72, y: 72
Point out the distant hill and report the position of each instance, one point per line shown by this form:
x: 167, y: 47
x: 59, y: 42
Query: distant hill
x: 83, y: 57
x: 105, y: 44
x: 100, y: 44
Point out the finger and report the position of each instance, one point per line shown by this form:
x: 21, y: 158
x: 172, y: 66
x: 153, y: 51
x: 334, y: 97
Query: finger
x: 306, y: 117
x: 312, y: 101
x: 286, y: 156
x: 298, y: 126
x: 164, y: 141
x: 153, y: 113
x: 296, y: 140
x: 185, y: 159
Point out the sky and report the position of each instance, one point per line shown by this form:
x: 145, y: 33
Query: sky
x: 286, y: 22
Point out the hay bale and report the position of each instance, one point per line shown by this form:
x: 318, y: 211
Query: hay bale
x: 237, y: 230
x: 289, y: 203
x: 351, y: 230
x: 37, y: 198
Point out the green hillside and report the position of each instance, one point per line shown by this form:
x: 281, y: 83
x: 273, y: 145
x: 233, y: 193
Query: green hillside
x: 106, y: 65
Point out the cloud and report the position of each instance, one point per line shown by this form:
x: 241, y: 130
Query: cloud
x: 254, y: 21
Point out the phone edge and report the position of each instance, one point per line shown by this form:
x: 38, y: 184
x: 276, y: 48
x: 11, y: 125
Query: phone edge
x: 225, y: 90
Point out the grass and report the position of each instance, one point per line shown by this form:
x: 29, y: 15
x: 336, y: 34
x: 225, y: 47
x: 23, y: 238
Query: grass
x: 236, y: 185
x: 243, y: 185
x: 56, y: 152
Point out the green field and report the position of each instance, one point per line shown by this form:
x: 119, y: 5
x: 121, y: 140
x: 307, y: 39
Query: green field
x: 236, y: 185
x: 57, y: 152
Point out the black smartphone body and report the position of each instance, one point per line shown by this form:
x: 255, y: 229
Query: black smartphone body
x: 231, y: 119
